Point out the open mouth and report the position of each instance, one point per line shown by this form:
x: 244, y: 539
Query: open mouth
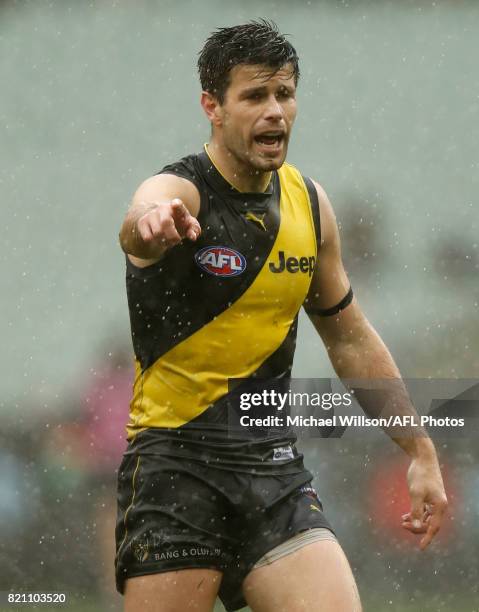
x: 270, y: 140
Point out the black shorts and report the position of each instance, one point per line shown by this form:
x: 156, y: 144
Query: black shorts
x: 176, y: 513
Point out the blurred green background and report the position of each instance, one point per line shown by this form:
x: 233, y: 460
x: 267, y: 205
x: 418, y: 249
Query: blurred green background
x: 97, y: 96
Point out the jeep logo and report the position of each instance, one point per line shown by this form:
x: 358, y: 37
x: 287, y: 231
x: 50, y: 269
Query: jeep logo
x: 293, y: 264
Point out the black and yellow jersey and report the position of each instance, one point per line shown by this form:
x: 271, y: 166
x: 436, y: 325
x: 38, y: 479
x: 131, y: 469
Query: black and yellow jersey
x: 223, y: 307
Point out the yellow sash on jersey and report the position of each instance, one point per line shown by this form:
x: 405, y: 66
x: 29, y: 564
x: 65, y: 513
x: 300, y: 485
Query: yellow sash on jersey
x: 194, y: 374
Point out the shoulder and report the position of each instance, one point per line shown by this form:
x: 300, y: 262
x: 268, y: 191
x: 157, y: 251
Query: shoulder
x: 289, y: 172
x: 166, y: 187
x: 291, y: 175
x: 187, y: 167
x: 175, y: 180
x: 328, y: 218
x: 319, y: 199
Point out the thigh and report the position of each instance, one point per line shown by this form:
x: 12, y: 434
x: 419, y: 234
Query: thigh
x: 188, y: 589
x: 316, y: 577
x: 169, y: 519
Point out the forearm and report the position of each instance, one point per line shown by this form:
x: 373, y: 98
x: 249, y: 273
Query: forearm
x: 366, y: 365
x: 369, y: 358
x: 361, y: 354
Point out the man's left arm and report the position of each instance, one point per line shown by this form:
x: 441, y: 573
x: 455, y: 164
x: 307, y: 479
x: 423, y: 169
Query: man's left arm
x: 356, y: 352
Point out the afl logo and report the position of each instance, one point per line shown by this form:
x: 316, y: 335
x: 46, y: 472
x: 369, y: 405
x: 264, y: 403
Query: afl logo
x: 221, y: 261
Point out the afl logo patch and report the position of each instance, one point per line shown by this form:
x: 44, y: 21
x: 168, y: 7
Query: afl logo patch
x: 221, y: 261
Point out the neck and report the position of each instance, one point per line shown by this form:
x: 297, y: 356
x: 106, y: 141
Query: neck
x: 241, y: 177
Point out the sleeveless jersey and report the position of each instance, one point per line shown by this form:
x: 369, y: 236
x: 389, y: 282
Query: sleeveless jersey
x: 223, y: 307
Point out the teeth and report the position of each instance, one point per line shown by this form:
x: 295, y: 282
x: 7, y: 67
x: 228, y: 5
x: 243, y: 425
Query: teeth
x: 268, y: 139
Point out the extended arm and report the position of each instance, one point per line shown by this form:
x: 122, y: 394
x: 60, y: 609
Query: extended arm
x: 357, y: 352
x: 162, y: 213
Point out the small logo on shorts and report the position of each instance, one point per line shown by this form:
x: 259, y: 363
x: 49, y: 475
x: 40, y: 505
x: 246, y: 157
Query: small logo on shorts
x: 283, y: 452
x: 141, y: 549
x: 310, y: 492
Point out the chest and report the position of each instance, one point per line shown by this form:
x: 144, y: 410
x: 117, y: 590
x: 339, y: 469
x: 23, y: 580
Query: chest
x: 268, y: 253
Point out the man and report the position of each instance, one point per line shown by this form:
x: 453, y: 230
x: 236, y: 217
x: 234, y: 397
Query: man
x: 223, y: 248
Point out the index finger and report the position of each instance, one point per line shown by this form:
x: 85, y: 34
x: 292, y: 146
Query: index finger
x: 179, y: 209
x: 434, y: 524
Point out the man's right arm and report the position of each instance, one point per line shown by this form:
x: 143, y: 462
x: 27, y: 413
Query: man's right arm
x: 162, y: 213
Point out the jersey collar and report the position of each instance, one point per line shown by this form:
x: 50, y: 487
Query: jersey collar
x: 222, y: 185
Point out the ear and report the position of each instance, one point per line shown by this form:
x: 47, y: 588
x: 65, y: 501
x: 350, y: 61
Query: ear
x: 212, y: 108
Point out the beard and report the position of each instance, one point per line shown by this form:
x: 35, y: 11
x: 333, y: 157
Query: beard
x: 252, y: 159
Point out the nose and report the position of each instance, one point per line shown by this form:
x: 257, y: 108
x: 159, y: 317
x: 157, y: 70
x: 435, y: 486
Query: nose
x: 273, y: 110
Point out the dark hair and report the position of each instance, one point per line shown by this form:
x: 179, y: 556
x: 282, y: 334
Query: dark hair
x: 256, y: 42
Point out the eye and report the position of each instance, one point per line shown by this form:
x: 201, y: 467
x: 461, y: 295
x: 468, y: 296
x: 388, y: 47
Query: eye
x: 284, y: 94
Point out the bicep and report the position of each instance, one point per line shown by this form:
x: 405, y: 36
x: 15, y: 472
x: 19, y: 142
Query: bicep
x: 330, y: 303
x: 330, y: 283
x: 330, y: 290
x: 163, y: 188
